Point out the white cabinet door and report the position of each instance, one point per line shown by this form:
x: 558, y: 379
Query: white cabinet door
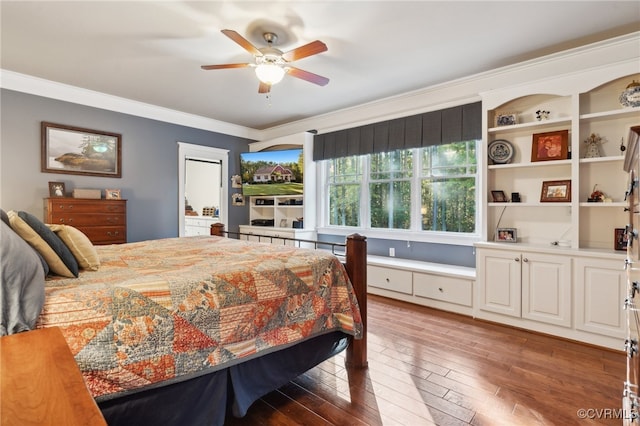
x: 499, y: 281
x: 600, y: 292
x: 546, y: 288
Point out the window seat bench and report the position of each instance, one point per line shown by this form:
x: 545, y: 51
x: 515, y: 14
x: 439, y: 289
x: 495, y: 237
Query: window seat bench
x: 437, y: 285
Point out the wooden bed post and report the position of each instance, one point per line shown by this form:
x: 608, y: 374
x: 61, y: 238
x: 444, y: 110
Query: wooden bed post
x: 217, y: 229
x: 357, y: 269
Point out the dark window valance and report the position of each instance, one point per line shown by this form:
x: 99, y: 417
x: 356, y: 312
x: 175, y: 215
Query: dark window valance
x: 460, y: 123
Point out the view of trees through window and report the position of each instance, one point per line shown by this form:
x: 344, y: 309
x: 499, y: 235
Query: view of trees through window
x: 445, y: 175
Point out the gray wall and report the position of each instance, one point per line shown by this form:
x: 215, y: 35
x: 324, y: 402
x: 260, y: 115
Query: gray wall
x: 149, y: 161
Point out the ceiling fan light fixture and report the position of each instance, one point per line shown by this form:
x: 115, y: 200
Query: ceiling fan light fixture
x: 270, y: 73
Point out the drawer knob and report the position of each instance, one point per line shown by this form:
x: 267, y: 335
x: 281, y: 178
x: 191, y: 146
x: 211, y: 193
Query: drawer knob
x: 440, y: 290
x: 387, y: 279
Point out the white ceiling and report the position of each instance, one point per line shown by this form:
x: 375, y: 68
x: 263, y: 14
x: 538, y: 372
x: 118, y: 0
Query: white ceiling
x: 151, y: 51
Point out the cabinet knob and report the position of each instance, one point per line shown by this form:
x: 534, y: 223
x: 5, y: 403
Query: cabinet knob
x: 440, y: 289
x: 387, y: 279
x: 517, y: 259
x: 525, y: 259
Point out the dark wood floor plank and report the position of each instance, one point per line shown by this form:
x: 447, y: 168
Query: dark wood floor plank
x: 429, y: 367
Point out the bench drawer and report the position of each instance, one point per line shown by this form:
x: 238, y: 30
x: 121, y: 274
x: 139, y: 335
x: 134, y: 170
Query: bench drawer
x: 446, y: 289
x: 390, y: 279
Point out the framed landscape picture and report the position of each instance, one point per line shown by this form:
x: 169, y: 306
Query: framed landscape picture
x: 74, y: 150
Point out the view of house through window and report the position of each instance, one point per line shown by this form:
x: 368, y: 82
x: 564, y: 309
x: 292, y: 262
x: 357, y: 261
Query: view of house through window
x: 375, y: 191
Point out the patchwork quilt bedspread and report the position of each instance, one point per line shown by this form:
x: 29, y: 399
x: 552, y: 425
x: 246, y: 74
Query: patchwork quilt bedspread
x: 162, y: 311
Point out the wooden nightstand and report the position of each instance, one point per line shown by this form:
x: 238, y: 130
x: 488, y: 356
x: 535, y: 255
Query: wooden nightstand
x: 41, y: 384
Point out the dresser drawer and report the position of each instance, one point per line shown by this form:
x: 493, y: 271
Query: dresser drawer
x: 85, y: 219
x: 100, y: 235
x: 70, y: 205
x: 446, y: 289
x: 390, y: 279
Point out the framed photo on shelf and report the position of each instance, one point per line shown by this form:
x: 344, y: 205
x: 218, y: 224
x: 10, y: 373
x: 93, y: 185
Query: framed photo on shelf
x: 550, y: 146
x: 558, y: 191
x: 620, y: 239
x: 498, y: 197
x: 74, y: 150
x: 506, y: 119
x: 507, y: 235
x: 112, y: 194
x: 56, y: 189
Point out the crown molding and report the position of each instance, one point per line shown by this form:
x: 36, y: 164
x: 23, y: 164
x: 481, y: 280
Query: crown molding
x: 50, y: 89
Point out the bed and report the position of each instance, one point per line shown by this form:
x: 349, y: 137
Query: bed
x: 190, y: 330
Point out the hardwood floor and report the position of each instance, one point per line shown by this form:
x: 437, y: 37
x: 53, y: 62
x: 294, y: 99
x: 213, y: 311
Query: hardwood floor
x: 428, y: 367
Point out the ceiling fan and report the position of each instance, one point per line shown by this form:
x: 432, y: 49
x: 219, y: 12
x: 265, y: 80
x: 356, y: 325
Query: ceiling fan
x: 272, y: 64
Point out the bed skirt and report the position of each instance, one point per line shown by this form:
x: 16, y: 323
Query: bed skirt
x: 208, y: 399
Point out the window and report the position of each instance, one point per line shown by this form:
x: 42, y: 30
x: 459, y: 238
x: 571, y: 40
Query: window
x: 430, y: 189
x: 390, y: 189
x: 448, y: 187
x: 345, y: 177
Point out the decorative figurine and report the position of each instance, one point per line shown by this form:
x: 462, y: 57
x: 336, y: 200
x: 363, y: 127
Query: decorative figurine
x: 593, y: 146
x: 542, y: 115
x: 596, y: 196
x: 631, y: 95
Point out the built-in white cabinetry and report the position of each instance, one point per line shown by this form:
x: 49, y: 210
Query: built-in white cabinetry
x: 283, y: 236
x: 600, y: 292
x: 276, y: 219
x: 582, y: 105
x: 276, y: 211
x: 562, y: 275
x: 565, y: 292
x: 199, y: 225
x: 530, y: 285
x: 446, y: 287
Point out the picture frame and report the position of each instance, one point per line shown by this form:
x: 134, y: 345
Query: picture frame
x: 57, y: 190
x: 237, y: 199
x: 499, y: 197
x: 112, y: 194
x: 507, y: 235
x: 79, y: 151
x: 506, y: 119
x: 236, y: 181
x: 550, y: 146
x: 556, y: 191
x: 620, y: 239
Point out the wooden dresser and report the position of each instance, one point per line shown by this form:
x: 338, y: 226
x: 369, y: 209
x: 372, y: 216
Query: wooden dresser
x: 41, y: 383
x: 103, y: 221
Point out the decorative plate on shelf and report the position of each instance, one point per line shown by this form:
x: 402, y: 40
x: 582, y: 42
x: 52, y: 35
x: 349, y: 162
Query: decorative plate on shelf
x: 501, y: 151
x: 631, y: 96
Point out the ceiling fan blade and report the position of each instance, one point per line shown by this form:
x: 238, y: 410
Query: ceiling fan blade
x: 264, y: 88
x: 308, y: 76
x: 246, y: 44
x: 312, y: 48
x: 224, y: 66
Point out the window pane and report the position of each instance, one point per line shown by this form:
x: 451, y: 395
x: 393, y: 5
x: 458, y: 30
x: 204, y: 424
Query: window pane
x: 345, y: 179
x: 344, y: 205
x: 390, y: 204
x: 391, y: 165
x: 449, y: 204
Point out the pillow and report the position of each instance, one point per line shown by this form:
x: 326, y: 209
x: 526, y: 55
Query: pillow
x: 4, y: 217
x: 22, y: 290
x: 46, y: 242
x: 80, y: 245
